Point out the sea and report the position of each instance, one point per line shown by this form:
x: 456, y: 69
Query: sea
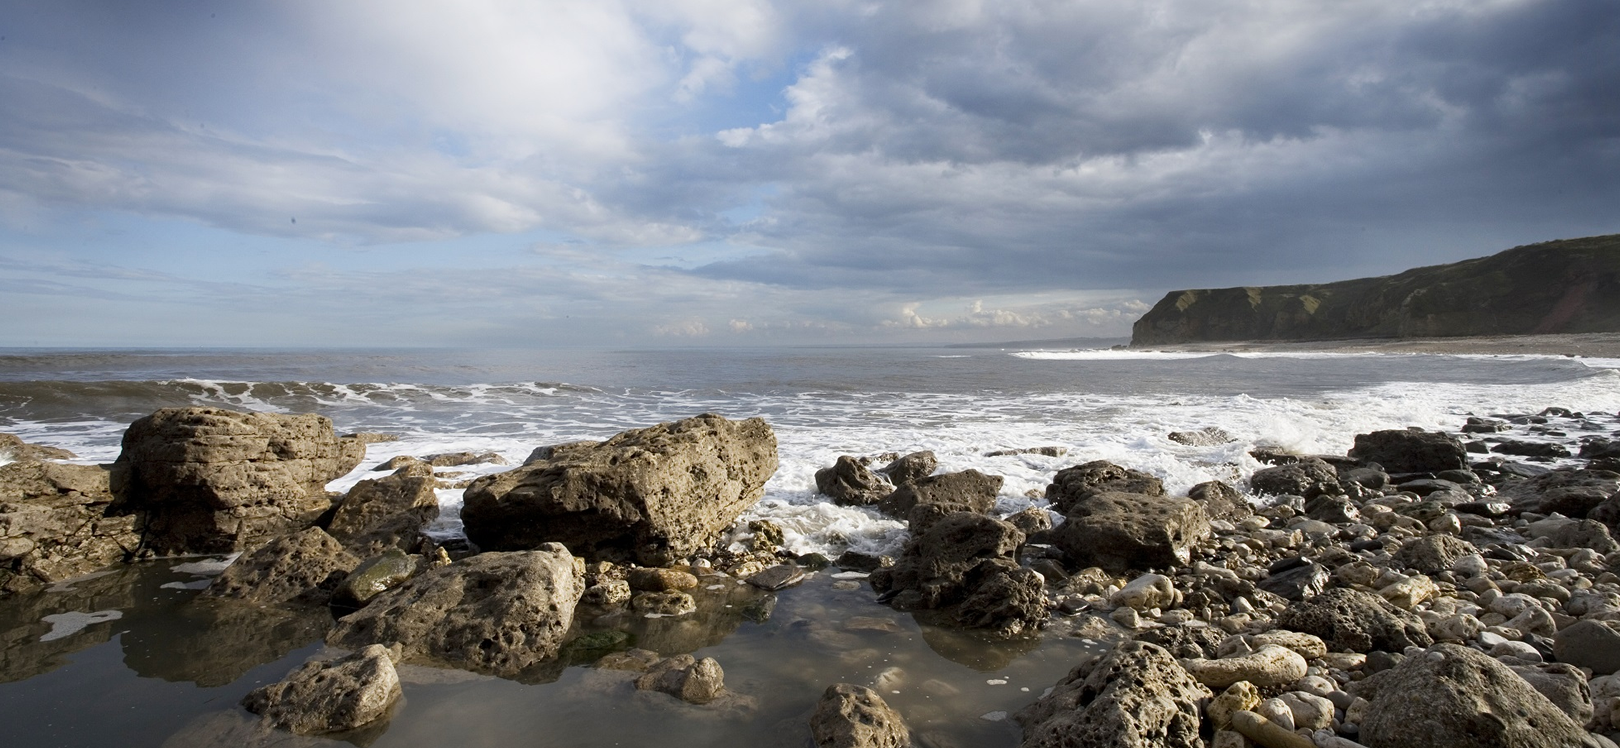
x: 135, y: 657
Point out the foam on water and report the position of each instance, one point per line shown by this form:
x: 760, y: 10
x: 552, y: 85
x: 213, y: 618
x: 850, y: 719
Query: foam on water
x: 1109, y: 405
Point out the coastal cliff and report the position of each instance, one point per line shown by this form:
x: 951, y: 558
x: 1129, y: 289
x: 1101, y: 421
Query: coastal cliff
x: 1566, y: 286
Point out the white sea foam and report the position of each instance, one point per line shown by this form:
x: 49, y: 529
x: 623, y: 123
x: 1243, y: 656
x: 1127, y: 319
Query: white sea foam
x: 67, y: 624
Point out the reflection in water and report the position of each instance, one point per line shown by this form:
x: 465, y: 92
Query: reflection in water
x: 187, y: 661
x: 212, y: 642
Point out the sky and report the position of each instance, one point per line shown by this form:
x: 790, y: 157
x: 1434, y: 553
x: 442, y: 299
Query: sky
x: 618, y: 173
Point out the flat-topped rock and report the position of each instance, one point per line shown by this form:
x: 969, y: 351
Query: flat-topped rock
x: 58, y: 521
x: 653, y: 495
x: 210, y: 480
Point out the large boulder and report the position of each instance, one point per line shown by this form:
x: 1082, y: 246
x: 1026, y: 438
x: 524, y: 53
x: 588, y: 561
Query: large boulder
x: 1123, y: 531
x: 849, y: 483
x: 330, y: 696
x: 1453, y: 695
x: 1073, y: 485
x: 968, y: 488
x: 1355, y: 621
x: 851, y: 716
x: 495, y: 612
x: 1411, y: 451
x: 654, y: 495
x: 302, y: 568
x: 388, y: 512
x: 962, y: 566
x: 1310, y: 477
x: 58, y: 521
x: 210, y: 480
x: 1134, y: 696
x: 1563, y: 486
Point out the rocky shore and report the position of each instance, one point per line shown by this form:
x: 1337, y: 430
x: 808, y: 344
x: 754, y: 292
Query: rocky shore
x: 1424, y: 589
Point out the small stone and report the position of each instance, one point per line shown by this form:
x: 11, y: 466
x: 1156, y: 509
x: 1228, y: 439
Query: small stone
x: 777, y: 577
x: 686, y: 678
x: 1237, y: 697
x: 1309, y: 711
x: 1268, y: 666
x: 1146, y: 592
x: 659, y: 580
x: 1267, y: 733
x: 663, y: 603
x: 1410, y: 592
x: 1127, y: 617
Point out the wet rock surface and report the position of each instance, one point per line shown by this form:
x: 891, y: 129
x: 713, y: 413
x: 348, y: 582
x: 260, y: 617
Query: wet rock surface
x: 851, y: 716
x: 1135, y: 696
x: 330, y: 696
x: 388, y: 512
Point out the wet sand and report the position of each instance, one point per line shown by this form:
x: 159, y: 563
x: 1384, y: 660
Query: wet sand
x: 1599, y: 345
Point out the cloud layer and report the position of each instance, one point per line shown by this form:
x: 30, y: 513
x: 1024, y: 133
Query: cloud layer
x: 744, y: 170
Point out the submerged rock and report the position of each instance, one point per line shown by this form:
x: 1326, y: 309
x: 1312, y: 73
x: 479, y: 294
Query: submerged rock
x: 331, y: 695
x: 211, y: 480
x: 851, y: 716
x: 655, y: 494
x: 494, y: 612
x: 1134, y: 696
x: 686, y: 678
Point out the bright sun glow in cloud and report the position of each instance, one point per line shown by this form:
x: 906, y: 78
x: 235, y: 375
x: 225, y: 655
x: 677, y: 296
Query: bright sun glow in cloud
x: 619, y: 172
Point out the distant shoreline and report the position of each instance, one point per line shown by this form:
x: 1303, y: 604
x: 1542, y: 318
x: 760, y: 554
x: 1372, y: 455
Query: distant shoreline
x: 1600, y: 345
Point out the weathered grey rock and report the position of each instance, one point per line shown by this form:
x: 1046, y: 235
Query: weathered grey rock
x: 672, y: 603
x: 1073, y: 485
x: 655, y: 494
x: 1355, y: 621
x: 1298, y: 583
x: 330, y: 695
x: 13, y: 448
x: 1310, y: 477
x: 1575, y: 533
x: 58, y: 521
x: 495, y: 612
x: 910, y: 468
x: 1563, y: 685
x: 456, y: 459
x: 969, y: 488
x: 1338, y: 510
x: 1527, y: 494
x: 1048, y: 451
x: 1453, y: 695
x: 210, y: 480
x: 851, y: 716
x: 387, y: 512
x: 1031, y: 520
x: 849, y: 483
x: 1572, y: 501
x: 374, y: 576
x: 1270, y: 665
x: 1134, y: 696
x: 1589, y: 644
x: 1432, y: 554
x: 1220, y: 501
x: 1267, y: 733
x: 1411, y: 451
x: 302, y: 568
x: 1121, y: 531
x: 559, y: 451
x: 1208, y: 436
x: 1184, y: 642
x: 1146, y: 591
x: 686, y: 678
x: 962, y: 565
x: 608, y: 592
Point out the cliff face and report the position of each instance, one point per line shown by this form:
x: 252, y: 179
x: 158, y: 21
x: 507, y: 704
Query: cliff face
x: 1568, y: 286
